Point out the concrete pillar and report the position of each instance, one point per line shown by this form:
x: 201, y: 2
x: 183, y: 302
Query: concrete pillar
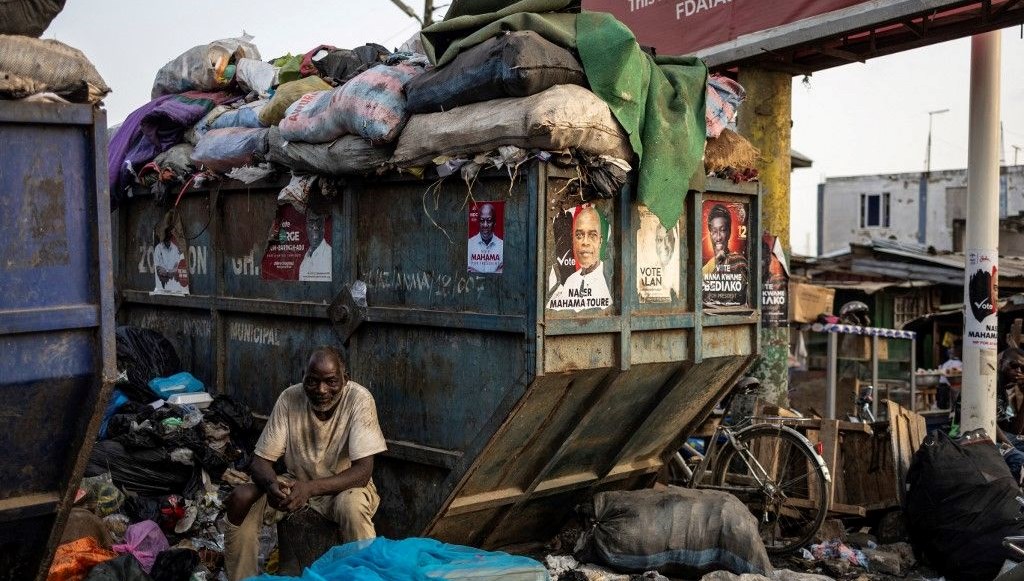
x: 765, y: 119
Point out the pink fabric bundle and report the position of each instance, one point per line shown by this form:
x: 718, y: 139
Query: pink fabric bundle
x: 144, y: 541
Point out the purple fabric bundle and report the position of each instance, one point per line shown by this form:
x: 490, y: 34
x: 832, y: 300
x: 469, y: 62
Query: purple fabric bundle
x: 152, y: 129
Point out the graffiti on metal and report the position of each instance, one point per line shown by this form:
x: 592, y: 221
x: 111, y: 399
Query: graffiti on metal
x: 197, y: 259
x: 255, y: 334
x: 436, y: 283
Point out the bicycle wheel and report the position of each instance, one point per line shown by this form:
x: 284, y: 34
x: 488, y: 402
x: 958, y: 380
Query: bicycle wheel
x: 792, y: 501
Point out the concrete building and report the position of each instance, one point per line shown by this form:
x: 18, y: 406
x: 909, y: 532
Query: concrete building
x: 906, y: 208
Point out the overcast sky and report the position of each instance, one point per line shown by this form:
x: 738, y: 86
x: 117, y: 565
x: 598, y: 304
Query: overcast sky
x: 856, y: 119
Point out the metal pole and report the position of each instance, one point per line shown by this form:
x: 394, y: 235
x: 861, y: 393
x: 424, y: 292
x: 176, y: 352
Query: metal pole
x: 874, y: 376
x: 830, y: 377
x: 978, y: 393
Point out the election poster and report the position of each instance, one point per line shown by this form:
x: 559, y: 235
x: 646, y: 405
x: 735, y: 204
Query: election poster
x: 774, y: 283
x: 170, y: 265
x: 299, y: 247
x: 981, y: 326
x: 485, y: 249
x: 725, y: 250
x: 578, y: 279
x: 657, y: 259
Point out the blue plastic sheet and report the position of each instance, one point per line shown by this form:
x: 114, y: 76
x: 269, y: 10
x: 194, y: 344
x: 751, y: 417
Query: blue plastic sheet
x: 415, y: 559
x: 182, y: 382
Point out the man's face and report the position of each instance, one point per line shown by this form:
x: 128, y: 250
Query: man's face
x: 486, y: 222
x: 664, y: 244
x: 323, y: 382
x: 719, y: 234
x: 586, y: 240
x: 314, y: 231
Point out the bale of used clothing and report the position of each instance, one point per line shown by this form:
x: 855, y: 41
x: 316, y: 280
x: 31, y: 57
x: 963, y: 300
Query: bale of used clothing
x: 515, y: 64
x: 207, y: 67
x: 341, y: 64
x: 371, y: 105
x: 289, y: 68
x: 28, y: 17
x: 346, y: 155
x: 285, y: 95
x: 143, y: 354
x: 74, y: 560
x: 31, y: 65
x: 256, y: 76
x: 560, y: 118
x: 123, y: 568
x: 223, y: 149
x: 153, y: 129
x: 678, y: 531
x: 729, y: 150
x: 960, y: 504
x: 247, y: 115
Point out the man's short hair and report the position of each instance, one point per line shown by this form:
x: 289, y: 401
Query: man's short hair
x: 329, y: 352
x: 719, y: 211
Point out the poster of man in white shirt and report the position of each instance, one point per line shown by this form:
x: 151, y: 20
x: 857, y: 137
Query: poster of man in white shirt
x: 169, y: 265
x: 485, y: 248
x: 586, y: 287
x: 316, y: 262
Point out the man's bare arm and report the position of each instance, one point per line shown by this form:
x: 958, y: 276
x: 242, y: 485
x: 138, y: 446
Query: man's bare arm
x: 356, y: 476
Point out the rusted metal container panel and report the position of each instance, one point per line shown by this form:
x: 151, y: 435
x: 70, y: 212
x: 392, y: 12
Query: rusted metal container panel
x: 56, y: 319
x: 506, y: 398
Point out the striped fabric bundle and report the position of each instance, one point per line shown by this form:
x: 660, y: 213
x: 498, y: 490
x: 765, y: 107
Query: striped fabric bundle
x: 724, y: 96
x: 371, y: 105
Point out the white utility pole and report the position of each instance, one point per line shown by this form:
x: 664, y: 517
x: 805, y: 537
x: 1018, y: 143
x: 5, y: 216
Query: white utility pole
x: 978, y: 394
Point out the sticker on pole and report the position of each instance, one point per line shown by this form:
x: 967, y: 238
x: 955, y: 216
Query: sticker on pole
x: 981, y: 327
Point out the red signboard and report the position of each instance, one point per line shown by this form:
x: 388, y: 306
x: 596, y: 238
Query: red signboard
x: 677, y: 27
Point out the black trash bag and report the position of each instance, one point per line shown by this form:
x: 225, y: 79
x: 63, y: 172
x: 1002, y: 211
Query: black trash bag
x: 132, y: 474
x: 143, y: 355
x: 175, y: 565
x: 342, y: 64
x: 514, y: 64
x: 960, y: 504
x: 140, y: 508
x: 123, y: 568
x: 235, y: 415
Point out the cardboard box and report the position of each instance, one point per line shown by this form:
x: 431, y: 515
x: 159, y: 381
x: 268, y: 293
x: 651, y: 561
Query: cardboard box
x: 807, y: 301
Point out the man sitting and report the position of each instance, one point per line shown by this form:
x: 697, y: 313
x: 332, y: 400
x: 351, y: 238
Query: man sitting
x: 326, y: 430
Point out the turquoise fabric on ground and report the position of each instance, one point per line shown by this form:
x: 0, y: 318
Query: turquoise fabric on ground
x: 414, y: 559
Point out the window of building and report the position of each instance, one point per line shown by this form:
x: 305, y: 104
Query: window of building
x: 906, y: 308
x: 874, y: 210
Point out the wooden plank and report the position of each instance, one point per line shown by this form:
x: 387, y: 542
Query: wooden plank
x: 843, y: 509
x: 830, y: 451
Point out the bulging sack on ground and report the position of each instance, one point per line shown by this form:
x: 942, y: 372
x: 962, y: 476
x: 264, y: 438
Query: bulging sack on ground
x: 562, y: 117
x: 371, y: 105
x: 31, y: 65
x: 342, y: 64
x: 516, y: 64
x: 959, y: 506
x: 346, y: 155
x: 207, y: 67
x: 678, y: 531
x: 286, y: 94
x: 247, y: 115
x: 224, y: 149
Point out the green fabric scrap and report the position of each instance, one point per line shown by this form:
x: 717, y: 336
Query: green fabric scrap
x: 660, y: 103
x: 658, y: 100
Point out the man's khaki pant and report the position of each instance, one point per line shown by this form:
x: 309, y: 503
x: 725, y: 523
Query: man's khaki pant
x: 352, y: 509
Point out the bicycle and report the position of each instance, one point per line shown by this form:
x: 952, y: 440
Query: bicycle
x: 770, y: 467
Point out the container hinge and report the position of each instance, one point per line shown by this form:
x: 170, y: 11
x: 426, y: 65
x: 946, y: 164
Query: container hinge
x: 348, y: 310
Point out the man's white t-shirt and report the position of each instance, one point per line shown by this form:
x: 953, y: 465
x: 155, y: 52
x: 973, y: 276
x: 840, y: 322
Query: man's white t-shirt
x: 313, y: 448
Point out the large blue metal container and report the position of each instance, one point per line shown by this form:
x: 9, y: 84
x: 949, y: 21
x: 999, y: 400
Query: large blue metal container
x: 56, y: 319
x: 501, y: 414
